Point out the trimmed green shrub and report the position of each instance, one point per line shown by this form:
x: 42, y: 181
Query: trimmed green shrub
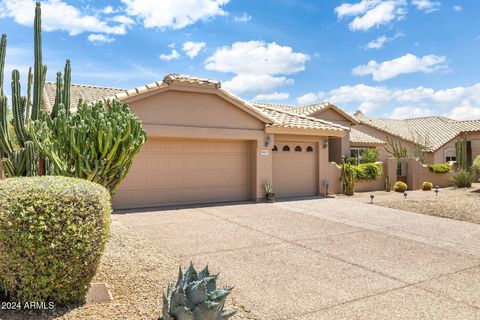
x: 53, y: 232
x: 463, y: 178
x: 439, y: 168
x: 427, y: 186
x: 400, y: 186
x: 476, y: 167
x: 367, y: 171
x: 370, y: 155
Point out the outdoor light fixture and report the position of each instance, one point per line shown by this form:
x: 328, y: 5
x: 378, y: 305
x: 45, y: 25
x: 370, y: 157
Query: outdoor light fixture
x: 268, y: 140
x: 405, y: 195
x: 327, y: 184
x: 436, y: 192
x: 371, y: 198
x: 325, y: 143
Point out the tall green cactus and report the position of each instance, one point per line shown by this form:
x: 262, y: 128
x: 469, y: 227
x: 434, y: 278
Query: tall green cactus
x: 97, y: 143
x: 24, y: 159
x: 461, y: 153
x: 347, y: 179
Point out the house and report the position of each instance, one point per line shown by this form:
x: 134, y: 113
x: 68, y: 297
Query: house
x: 207, y: 145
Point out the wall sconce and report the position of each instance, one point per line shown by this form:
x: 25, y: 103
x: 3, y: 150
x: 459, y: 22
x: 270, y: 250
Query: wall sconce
x: 325, y: 143
x: 268, y: 140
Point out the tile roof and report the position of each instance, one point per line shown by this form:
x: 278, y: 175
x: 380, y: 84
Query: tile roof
x: 311, y: 109
x: 288, y: 119
x: 87, y: 93
x: 435, y: 130
x: 357, y: 136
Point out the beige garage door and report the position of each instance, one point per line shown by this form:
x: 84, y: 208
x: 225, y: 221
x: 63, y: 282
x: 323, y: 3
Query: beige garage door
x: 169, y: 172
x: 295, y: 169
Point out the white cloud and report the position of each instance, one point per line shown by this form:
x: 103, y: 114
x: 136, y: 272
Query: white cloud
x: 275, y: 96
x: 372, y: 13
x: 109, y: 10
x: 458, y: 8
x: 457, y: 102
x: 192, y: 49
x: 244, y: 17
x: 408, y: 63
x: 100, y: 38
x: 257, y: 57
x: 174, y: 14
x: 464, y: 113
x: 122, y: 19
x: 259, y: 67
x: 380, y: 41
x: 58, y: 15
x: 426, y: 5
x: 174, y: 55
x: 255, y: 84
x: 311, y: 97
x: 409, y: 112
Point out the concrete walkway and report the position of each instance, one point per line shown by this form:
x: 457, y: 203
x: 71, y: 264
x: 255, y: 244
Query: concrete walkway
x: 327, y: 258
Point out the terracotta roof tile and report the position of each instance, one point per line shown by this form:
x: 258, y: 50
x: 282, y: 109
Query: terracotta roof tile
x: 357, y: 136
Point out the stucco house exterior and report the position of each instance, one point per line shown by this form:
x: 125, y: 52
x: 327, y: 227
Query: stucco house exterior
x: 206, y: 145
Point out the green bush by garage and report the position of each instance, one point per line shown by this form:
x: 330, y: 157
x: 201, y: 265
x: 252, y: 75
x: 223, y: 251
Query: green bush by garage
x: 53, y: 231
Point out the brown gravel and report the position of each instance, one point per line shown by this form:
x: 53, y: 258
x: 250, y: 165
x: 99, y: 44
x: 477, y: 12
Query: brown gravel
x: 460, y: 204
x: 137, y: 275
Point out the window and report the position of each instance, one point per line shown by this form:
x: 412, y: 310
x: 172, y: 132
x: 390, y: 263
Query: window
x: 448, y: 159
x: 298, y: 149
x: 286, y: 148
x: 357, y: 153
x: 309, y: 149
x: 275, y: 148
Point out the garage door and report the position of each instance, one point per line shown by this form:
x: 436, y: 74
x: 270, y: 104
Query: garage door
x: 170, y: 172
x: 295, y: 169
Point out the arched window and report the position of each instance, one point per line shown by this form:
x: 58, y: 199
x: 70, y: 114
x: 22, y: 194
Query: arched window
x: 298, y: 149
x: 274, y: 148
x: 286, y: 148
x: 309, y: 149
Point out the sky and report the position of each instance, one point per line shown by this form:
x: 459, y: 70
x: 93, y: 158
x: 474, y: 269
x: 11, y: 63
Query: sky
x: 388, y: 58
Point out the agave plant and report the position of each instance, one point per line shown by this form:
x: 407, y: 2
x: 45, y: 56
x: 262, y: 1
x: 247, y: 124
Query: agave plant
x: 196, y: 297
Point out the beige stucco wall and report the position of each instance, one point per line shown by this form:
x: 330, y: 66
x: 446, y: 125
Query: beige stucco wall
x: 449, y: 149
x: 335, y: 117
x: 417, y: 173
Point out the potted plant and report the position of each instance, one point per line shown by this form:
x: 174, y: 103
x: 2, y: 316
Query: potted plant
x: 269, y: 195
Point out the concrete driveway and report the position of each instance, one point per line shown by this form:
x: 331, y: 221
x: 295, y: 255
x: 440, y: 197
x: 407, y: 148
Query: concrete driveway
x: 327, y: 258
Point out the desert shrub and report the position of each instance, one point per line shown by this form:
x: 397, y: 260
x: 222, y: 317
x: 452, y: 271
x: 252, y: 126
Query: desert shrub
x: 400, y: 186
x: 370, y: 155
x: 351, y: 160
x: 53, y: 231
x: 463, y: 178
x: 439, y: 168
x: 476, y: 167
x: 367, y: 171
x: 427, y: 186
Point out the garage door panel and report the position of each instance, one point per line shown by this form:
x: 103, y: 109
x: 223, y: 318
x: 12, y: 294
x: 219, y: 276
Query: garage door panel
x: 170, y: 172
x: 295, y: 172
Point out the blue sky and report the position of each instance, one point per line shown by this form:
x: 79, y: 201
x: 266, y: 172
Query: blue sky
x: 390, y: 58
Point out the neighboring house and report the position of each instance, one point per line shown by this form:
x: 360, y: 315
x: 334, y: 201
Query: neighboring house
x: 437, y: 133
x: 206, y: 145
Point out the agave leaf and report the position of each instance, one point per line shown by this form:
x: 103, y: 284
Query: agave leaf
x: 220, y: 295
x: 204, y: 273
x: 190, y: 275
x: 180, y: 277
x: 211, y: 283
x: 203, y: 312
x: 226, y: 314
x: 181, y: 313
x: 196, y: 293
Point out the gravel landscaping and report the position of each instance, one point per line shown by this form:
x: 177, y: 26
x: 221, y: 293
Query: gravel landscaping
x: 460, y: 204
x: 137, y: 275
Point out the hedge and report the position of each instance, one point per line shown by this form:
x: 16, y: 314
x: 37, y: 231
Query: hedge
x: 439, y: 168
x: 367, y: 171
x: 53, y: 231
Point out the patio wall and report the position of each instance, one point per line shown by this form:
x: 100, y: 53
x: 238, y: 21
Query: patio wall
x: 417, y: 173
x: 334, y: 178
